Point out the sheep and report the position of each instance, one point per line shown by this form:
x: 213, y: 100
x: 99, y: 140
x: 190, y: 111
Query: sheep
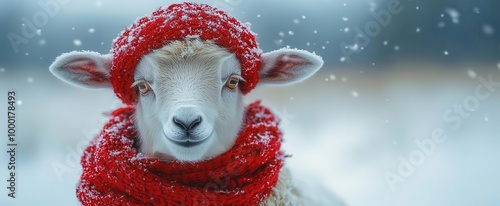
x: 186, y: 99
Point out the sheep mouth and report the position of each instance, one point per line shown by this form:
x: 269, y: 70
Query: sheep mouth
x: 188, y: 142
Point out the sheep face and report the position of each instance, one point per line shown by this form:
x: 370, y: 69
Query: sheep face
x: 189, y: 107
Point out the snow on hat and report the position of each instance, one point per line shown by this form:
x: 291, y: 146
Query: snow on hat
x: 178, y: 22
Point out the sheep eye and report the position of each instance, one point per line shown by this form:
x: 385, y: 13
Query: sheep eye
x: 143, y: 87
x: 232, y: 82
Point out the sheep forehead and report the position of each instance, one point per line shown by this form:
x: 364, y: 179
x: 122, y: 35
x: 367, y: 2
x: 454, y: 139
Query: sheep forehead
x: 189, y: 50
x: 181, y: 55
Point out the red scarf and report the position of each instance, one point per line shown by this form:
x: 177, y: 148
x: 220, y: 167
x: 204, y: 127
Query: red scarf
x: 114, y: 173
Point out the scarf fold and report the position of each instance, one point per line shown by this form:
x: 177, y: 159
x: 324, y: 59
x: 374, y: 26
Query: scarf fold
x: 114, y: 173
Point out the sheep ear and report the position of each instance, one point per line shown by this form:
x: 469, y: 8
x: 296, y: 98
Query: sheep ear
x: 288, y: 66
x: 85, y: 69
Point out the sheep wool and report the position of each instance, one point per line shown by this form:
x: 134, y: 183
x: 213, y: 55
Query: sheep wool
x: 114, y: 173
x: 178, y: 22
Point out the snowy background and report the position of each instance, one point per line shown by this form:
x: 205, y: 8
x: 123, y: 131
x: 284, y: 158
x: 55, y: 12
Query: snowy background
x: 352, y: 124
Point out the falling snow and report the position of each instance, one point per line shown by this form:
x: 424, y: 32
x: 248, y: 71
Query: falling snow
x: 345, y: 19
x: 471, y: 73
x: 77, y: 42
x: 373, y: 6
x: 446, y: 53
x: 296, y: 21
x: 454, y: 15
x: 3, y: 69
x: 396, y: 48
x: 385, y: 43
x: 417, y: 30
x: 30, y: 80
x: 42, y: 42
x: 354, y: 93
x: 354, y: 47
x: 342, y: 59
x: 290, y: 33
x: 332, y: 77
x: 488, y: 29
x: 91, y: 30
x: 476, y: 10
x: 19, y: 102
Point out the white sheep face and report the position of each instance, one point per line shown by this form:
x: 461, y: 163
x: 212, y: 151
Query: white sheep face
x: 187, y: 110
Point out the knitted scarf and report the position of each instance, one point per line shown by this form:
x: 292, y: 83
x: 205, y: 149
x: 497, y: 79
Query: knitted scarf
x: 114, y: 173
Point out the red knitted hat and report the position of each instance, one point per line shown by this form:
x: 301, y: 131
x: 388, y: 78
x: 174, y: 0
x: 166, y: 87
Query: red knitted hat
x: 177, y: 22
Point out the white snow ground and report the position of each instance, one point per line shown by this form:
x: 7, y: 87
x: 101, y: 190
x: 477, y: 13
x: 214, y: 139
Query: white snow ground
x: 346, y: 141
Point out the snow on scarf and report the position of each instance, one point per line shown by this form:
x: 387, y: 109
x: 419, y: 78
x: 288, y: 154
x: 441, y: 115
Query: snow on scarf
x: 114, y: 173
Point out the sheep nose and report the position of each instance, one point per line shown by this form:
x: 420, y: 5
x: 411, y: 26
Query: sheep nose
x: 187, y: 123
